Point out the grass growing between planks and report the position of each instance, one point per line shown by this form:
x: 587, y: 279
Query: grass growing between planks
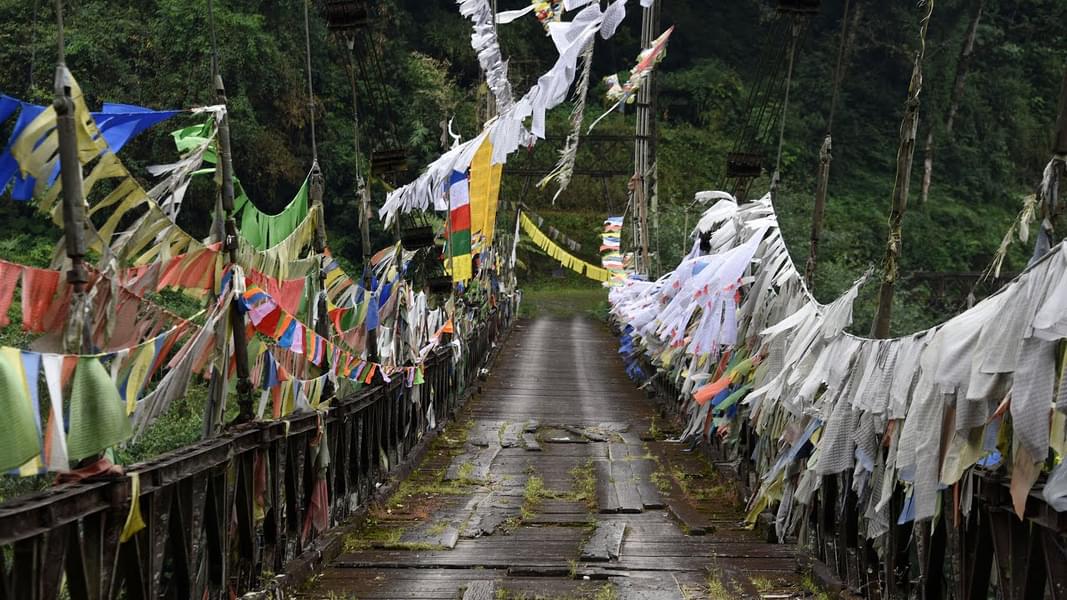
x: 817, y: 593
x: 716, y: 589
x: 697, y: 480
x: 584, y: 478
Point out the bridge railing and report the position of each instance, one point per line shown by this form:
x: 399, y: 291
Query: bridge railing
x: 989, y: 553
x: 224, y: 515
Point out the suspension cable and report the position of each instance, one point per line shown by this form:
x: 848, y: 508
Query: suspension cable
x: 839, y: 66
x: 785, y: 103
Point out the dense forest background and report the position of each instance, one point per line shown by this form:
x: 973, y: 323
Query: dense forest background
x: 416, y: 71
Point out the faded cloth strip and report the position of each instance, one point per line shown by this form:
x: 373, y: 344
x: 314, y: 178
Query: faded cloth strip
x: 564, y: 169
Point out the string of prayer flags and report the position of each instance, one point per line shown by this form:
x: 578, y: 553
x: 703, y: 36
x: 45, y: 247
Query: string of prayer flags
x: 459, y: 261
x: 263, y: 230
x: 194, y: 272
x: 101, y: 398
x: 647, y: 60
x: 736, y: 328
x: 122, y: 318
x: 611, y: 247
x: 117, y: 124
x: 508, y: 130
x: 258, y: 228
x: 556, y: 235
x: 559, y: 254
x: 287, y: 293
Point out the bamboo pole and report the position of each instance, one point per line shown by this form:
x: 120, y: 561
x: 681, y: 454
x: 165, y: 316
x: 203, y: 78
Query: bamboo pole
x: 230, y: 245
x: 848, y: 35
x: 905, y: 156
x: 76, y: 338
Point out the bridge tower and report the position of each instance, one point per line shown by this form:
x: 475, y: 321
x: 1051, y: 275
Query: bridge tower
x: 643, y: 184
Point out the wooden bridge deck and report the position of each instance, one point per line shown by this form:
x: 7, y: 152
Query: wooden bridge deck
x: 552, y: 484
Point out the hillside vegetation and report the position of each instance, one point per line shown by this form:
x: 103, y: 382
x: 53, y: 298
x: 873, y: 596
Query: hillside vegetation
x: 422, y: 73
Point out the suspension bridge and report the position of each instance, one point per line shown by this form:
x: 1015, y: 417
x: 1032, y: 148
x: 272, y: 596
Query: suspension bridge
x: 404, y: 432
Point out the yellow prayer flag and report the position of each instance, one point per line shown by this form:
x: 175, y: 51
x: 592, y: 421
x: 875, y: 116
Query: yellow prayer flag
x: 134, y: 522
x: 484, y: 192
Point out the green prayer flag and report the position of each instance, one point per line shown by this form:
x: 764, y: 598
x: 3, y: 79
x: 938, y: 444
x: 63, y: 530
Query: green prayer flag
x: 193, y: 136
x: 97, y: 413
x: 264, y: 231
x: 18, y: 430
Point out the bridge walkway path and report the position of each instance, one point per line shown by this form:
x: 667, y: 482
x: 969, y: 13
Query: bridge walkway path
x: 556, y: 482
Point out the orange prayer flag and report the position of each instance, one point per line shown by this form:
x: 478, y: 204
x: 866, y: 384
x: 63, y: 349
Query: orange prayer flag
x: 707, y: 392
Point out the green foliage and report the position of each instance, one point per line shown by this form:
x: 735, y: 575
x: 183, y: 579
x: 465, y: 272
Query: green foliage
x: 181, y: 425
x: 415, y: 70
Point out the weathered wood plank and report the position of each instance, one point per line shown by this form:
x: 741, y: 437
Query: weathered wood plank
x: 484, y: 433
x: 650, y: 496
x: 605, y: 542
x: 479, y: 462
x: 626, y: 487
x: 512, y: 435
x: 529, y: 441
x: 589, y: 433
x: 480, y: 590
x: 621, y: 451
x: 694, y: 522
x: 607, y: 498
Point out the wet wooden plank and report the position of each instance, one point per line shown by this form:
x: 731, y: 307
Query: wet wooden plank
x: 607, y: 498
x: 694, y: 522
x: 559, y: 435
x: 512, y: 435
x: 484, y: 434
x: 620, y: 450
x: 605, y: 543
x: 626, y: 487
x: 437, y: 535
x: 589, y: 433
x: 480, y: 590
x: 479, y: 462
x: 486, y: 513
x: 650, y: 496
x: 529, y: 441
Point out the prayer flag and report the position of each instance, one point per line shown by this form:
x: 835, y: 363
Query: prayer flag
x: 459, y: 234
x: 18, y: 433
x: 484, y: 193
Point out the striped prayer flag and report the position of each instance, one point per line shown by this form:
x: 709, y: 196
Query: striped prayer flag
x: 459, y: 234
